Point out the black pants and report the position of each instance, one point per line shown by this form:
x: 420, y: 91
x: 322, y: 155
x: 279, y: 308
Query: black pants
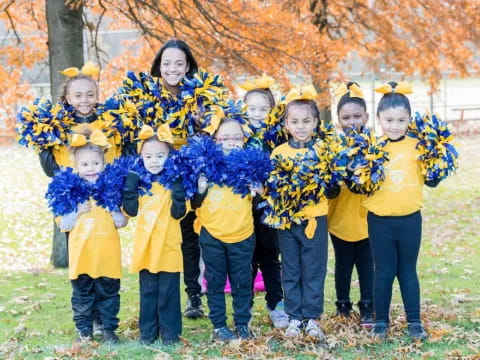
x: 265, y: 257
x: 347, y: 255
x: 232, y: 260
x: 89, y: 294
x: 304, y: 268
x: 395, y: 242
x: 96, y: 314
x: 160, y: 312
x: 191, y: 256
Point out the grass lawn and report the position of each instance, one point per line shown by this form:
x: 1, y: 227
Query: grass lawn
x: 36, y: 318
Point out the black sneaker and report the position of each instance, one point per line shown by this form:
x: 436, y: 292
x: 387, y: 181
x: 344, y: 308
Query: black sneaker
x: 97, y: 327
x: 244, y: 332
x: 380, y: 330
x: 110, y: 337
x: 343, y: 307
x: 194, y: 308
x: 224, y: 334
x: 417, y: 332
x: 366, y: 313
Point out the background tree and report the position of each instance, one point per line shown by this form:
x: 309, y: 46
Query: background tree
x: 65, y: 40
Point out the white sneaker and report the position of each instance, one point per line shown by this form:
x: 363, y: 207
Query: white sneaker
x: 313, y: 330
x: 278, y: 316
x: 294, y: 328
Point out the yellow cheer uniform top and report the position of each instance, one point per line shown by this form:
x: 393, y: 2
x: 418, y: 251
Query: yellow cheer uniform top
x: 347, y: 217
x: 402, y: 191
x: 158, y: 237
x: 64, y: 158
x: 226, y: 216
x: 94, y: 245
x: 288, y: 151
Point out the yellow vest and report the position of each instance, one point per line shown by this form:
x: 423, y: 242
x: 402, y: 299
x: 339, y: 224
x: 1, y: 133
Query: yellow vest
x: 347, y: 217
x: 402, y: 192
x: 94, y: 245
x: 290, y: 152
x: 158, y: 237
x: 226, y: 216
x: 63, y: 157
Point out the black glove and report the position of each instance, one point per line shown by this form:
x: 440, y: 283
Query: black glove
x: 130, y: 194
x: 179, y: 206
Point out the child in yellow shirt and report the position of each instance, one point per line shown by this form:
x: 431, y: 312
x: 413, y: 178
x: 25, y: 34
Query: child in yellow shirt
x: 303, y: 247
x: 394, y: 217
x: 157, y: 252
x: 227, y: 241
x: 347, y: 221
x: 94, y: 243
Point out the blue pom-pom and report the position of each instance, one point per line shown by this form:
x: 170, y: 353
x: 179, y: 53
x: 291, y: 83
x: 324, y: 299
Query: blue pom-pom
x: 246, y: 167
x: 107, y: 190
x: 201, y: 156
x: 66, y: 191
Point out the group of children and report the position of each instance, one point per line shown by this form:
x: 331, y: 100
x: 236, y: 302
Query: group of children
x: 379, y: 233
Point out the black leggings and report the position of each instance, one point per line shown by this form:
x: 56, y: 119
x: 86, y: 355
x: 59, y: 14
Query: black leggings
x: 347, y: 255
x: 395, y: 242
x: 191, y: 255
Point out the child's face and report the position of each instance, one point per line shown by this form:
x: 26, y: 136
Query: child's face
x: 230, y: 136
x: 352, y: 115
x: 301, y: 122
x: 173, y: 66
x: 258, y: 107
x: 89, y: 164
x: 154, y: 154
x: 394, y: 122
x: 82, y: 95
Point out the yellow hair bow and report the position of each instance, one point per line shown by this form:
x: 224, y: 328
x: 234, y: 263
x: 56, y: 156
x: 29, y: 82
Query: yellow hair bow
x: 354, y: 91
x: 217, y: 117
x: 97, y: 137
x: 306, y: 92
x: 164, y: 133
x: 263, y: 82
x: 403, y: 87
x: 89, y: 69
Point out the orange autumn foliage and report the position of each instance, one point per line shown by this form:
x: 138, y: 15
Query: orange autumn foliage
x: 421, y: 38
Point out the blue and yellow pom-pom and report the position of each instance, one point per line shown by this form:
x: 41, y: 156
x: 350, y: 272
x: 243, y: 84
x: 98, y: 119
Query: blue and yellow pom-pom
x: 156, y: 105
x: 438, y: 156
x: 282, y: 199
x: 199, y: 93
x: 121, y: 120
x: 298, y: 183
x: 273, y: 132
x: 366, y: 156
x: 150, y: 100
x: 43, y: 124
x: 228, y: 109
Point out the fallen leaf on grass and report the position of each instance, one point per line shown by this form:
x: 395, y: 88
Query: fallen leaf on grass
x: 20, y: 300
x: 162, y: 356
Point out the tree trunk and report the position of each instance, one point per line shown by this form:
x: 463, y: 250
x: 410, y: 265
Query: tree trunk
x: 59, y: 256
x: 65, y: 49
x: 326, y: 114
x: 65, y: 41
